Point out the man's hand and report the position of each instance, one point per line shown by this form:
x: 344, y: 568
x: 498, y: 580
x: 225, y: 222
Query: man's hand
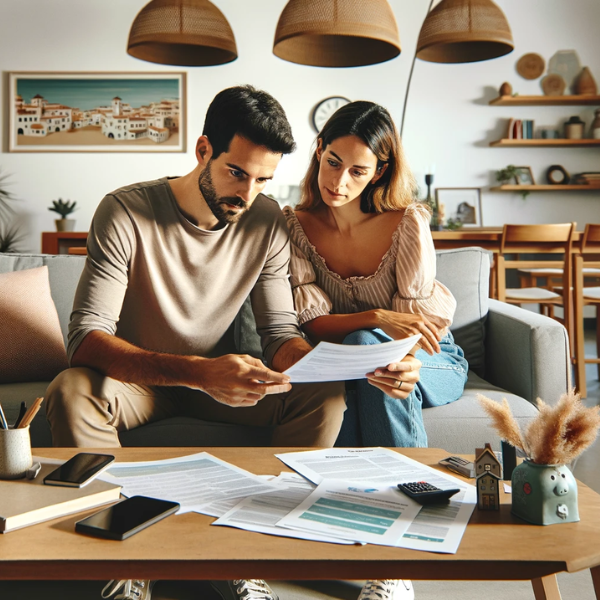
x: 398, y: 379
x: 402, y: 325
x: 240, y: 380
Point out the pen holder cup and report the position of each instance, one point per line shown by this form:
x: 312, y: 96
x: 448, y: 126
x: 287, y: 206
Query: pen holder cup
x: 15, y: 453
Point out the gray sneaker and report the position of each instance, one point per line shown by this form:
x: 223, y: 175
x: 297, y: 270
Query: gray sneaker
x: 128, y: 589
x: 244, y: 589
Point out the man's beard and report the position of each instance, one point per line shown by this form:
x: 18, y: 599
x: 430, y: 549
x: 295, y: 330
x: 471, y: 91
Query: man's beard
x: 218, y: 206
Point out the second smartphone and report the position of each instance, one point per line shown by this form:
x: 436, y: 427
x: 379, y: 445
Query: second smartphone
x: 79, y: 470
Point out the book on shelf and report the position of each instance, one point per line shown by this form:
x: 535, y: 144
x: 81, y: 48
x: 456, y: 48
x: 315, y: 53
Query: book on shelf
x: 26, y: 502
x: 520, y: 129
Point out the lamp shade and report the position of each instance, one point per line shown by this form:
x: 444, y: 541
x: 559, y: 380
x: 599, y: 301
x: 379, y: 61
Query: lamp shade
x: 182, y: 32
x: 337, y: 33
x: 463, y: 31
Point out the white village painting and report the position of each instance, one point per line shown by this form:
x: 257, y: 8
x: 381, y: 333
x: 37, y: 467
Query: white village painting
x: 97, y: 112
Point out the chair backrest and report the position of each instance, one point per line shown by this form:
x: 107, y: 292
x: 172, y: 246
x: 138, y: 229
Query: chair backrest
x: 590, y: 243
x: 534, y: 239
x: 552, y: 238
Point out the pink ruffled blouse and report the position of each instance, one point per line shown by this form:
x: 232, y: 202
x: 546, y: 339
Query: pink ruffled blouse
x: 403, y: 282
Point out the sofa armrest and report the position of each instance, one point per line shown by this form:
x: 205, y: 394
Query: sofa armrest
x: 526, y: 353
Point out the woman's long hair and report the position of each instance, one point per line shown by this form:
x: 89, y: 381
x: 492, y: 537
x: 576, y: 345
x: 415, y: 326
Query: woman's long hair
x: 374, y: 126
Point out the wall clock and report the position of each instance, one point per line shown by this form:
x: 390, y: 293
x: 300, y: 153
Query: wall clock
x: 324, y: 109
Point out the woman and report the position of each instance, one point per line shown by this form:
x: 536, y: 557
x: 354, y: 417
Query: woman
x: 363, y: 272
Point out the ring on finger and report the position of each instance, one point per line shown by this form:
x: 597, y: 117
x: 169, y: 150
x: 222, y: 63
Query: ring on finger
x: 398, y: 384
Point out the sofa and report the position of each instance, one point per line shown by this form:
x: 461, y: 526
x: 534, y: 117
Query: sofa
x: 513, y: 353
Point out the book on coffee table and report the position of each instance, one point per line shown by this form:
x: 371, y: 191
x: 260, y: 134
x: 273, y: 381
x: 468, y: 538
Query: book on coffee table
x: 26, y: 502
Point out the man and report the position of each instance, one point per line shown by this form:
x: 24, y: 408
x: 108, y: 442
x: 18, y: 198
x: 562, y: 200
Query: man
x: 169, y: 265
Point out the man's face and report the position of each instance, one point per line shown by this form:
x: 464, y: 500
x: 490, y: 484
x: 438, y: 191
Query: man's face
x: 231, y: 182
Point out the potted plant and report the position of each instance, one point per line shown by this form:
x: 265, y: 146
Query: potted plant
x: 544, y: 490
x: 64, y: 209
x: 503, y: 176
x: 10, y: 234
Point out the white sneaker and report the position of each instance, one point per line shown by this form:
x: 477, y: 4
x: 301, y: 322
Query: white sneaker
x: 130, y: 589
x: 244, y: 589
x: 387, y: 589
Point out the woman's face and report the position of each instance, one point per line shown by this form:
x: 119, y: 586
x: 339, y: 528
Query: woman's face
x: 346, y: 167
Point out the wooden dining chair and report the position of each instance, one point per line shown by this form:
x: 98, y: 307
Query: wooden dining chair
x: 587, y: 258
x: 552, y: 241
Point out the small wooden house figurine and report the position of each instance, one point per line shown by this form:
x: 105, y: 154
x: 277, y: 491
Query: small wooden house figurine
x: 488, y: 477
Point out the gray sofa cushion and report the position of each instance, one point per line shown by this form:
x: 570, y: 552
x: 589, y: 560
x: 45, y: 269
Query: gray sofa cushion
x: 466, y: 273
x: 462, y: 426
x: 64, y: 272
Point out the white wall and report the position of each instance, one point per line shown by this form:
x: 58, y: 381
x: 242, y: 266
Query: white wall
x: 448, y: 123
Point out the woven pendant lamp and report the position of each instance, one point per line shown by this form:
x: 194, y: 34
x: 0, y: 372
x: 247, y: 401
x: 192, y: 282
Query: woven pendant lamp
x: 337, y: 33
x: 462, y: 31
x: 182, y: 32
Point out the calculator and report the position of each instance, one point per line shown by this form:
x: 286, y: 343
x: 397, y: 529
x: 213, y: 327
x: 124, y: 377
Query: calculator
x: 426, y: 493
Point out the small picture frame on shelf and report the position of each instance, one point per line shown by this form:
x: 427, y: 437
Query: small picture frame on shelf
x: 460, y: 205
x: 524, y: 176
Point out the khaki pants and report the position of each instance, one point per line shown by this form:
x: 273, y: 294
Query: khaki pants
x: 87, y: 410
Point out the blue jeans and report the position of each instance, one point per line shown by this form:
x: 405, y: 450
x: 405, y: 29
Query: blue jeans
x: 373, y: 418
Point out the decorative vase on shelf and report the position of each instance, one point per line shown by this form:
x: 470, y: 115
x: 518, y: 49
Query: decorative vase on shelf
x: 65, y: 224
x: 586, y: 84
x: 596, y: 125
x: 544, y: 494
x: 435, y: 223
x: 574, y: 128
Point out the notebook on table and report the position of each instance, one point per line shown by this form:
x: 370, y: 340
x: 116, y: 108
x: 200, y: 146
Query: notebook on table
x: 26, y: 502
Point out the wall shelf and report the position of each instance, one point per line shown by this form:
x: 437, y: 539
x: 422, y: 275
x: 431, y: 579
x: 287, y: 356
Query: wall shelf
x: 544, y: 143
x: 546, y: 101
x: 545, y: 188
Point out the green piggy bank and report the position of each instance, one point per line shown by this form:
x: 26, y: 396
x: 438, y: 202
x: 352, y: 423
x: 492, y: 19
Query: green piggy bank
x: 544, y: 494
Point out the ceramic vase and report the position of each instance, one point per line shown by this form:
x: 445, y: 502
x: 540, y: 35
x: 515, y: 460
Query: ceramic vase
x: 544, y: 494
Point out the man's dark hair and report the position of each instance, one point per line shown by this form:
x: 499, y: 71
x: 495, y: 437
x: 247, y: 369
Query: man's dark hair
x: 250, y: 113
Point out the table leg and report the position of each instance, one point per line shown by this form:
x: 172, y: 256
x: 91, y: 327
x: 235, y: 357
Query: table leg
x: 595, y: 571
x: 546, y: 588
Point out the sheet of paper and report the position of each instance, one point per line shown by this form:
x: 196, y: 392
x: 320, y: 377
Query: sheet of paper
x: 339, y: 362
x: 438, y: 529
x: 371, y: 514
x: 193, y: 481
x: 261, y: 513
x: 221, y: 507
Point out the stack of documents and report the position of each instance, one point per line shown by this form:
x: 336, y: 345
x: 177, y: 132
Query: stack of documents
x: 338, y: 495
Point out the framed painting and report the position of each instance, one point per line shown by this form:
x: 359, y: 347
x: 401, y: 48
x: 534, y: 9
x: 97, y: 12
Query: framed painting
x: 461, y: 206
x: 97, y: 112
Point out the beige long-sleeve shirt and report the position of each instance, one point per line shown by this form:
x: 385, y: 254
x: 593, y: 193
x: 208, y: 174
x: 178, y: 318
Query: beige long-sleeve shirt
x: 404, y: 281
x: 159, y: 282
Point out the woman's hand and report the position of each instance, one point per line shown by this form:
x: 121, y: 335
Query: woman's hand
x: 402, y: 325
x: 399, y: 379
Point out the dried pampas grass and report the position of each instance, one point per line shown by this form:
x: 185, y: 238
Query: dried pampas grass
x: 557, y: 435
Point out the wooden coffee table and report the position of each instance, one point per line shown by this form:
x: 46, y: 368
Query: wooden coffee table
x: 496, y: 545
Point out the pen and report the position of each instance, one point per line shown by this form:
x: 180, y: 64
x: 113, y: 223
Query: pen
x: 22, y: 411
x: 3, y: 422
x: 30, y: 413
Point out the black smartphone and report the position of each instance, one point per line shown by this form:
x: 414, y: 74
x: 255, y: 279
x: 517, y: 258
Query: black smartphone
x: 122, y: 520
x: 79, y: 470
